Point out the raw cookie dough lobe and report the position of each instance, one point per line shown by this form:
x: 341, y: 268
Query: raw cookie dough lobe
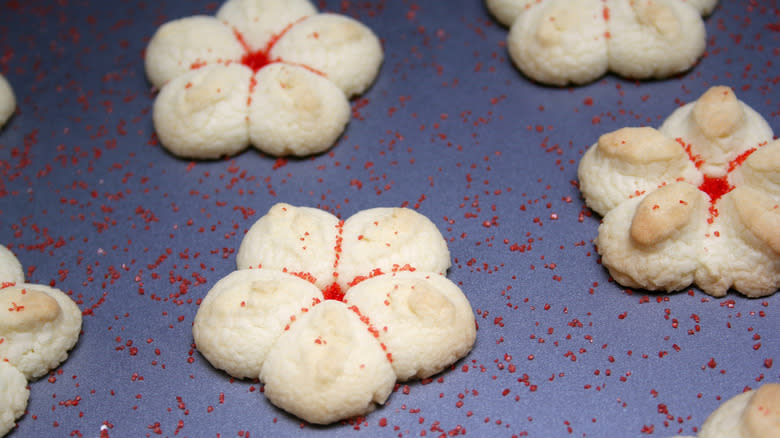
x: 666, y: 255
x: 11, y: 270
x: 13, y: 396
x: 558, y: 43
x: 259, y: 21
x: 424, y: 319
x: 7, y: 101
x: 653, y: 38
x: 181, y: 44
x: 39, y: 325
x: 294, y: 111
x: 245, y: 313
x: 327, y: 367
x: 343, y: 49
x: 300, y: 240
x: 718, y: 127
x: 751, y: 414
x: 743, y: 246
x: 705, y: 7
x: 760, y: 170
x: 389, y: 239
x: 630, y: 162
x: 203, y: 113
x: 506, y: 11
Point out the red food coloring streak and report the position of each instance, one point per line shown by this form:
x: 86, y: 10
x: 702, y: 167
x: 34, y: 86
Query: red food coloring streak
x: 257, y: 59
x: 715, y: 188
x: 333, y: 292
x: 696, y: 159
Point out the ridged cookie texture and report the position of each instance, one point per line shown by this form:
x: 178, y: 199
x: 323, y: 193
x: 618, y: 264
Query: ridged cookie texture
x: 696, y: 201
x: 10, y: 269
x: 13, y: 396
x: 330, y: 314
x: 561, y: 42
x: 275, y: 74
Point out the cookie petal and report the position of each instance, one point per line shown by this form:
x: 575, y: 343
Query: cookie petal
x: 653, y: 38
x: 180, y: 45
x: 245, y: 313
x: 343, y: 49
x: 424, y: 320
x: 298, y: 240
x: 259, y: 21
x: 630, y: 162
x: 388, y: 239
x: 13, y: 396
x: 327, y: 367
x: 11, y: 270
x: 741, y: 250
x: 203, y: 113
x: 669, y: 258
x: 718, y: 128
x: 558, y: 42
x: 751, y: 414
x: 294, y: 111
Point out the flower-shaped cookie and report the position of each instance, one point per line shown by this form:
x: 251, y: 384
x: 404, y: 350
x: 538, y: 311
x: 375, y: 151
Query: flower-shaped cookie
x: 558, y: 42
x: 332, y: 313
x: 7, y: 101
x: 38, y: 326
x: 272, y: 73
x: 751, y: 414
x: 696, y: 201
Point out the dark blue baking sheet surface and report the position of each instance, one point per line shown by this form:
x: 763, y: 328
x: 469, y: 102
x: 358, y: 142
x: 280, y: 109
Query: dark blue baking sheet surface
x: 92, y: 205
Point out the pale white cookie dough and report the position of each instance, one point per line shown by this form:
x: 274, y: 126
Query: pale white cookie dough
x: 557, y: 42
x: 272, y: 73
x: 654, y: 38
x: 718, y: 127
x: 329, y: 314
x: 422, y: 318
x: 295, y: 111
x: 760, y: 170
x: 560, y: 42
x: 244, y: 314
x: 742, y: 249
x: 13, y: 396
x: 388, y: 239
x: 181, y: 44
x: 203, y: 113
x: 343, y: 49
x: 752, y: 414
x: 39, y: 325
x: 258, y: 20
x: 298, y: 240
x: 705, y: 7
x: 718, y: 229
x: 328, y: 366
x: 11, y: 270
x: 630, y: 162
x: 654, y: 242
x: 506, y: 11
x: 7, y: 101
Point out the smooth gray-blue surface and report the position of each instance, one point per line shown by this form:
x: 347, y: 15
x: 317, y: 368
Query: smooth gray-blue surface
x: 93, y: 205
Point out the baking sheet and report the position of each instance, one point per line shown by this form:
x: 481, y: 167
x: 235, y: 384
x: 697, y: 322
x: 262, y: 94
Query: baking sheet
x: 91, y: 204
